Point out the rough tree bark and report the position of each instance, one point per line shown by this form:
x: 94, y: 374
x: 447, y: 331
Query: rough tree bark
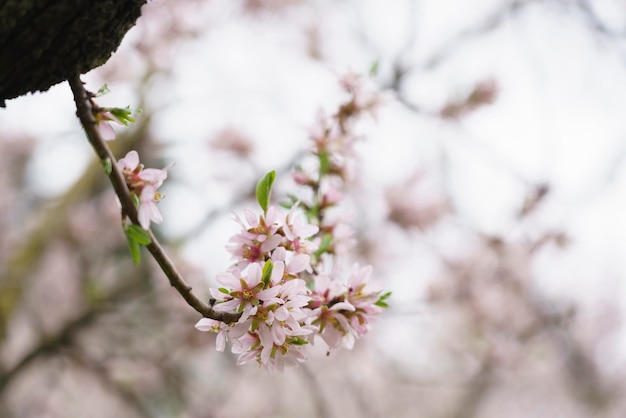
x: 44, y: 42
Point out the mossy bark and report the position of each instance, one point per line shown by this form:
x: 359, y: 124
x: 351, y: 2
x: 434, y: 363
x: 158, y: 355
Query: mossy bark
x: 44, y: 42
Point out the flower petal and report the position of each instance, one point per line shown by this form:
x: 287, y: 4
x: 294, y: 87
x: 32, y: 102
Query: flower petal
x: 130, y: 161
x: 299, y: 263
x: 205, y: 324
x: 106, y: 131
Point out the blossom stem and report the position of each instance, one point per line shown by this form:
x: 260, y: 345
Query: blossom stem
x: 84, y: 111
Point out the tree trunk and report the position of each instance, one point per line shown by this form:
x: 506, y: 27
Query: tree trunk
x: 43, y: 42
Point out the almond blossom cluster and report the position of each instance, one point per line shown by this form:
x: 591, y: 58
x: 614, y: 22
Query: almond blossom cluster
x: 343, y: 313
x: 333, y: 148
x: 268, y: 285
x: 143, y: 184
x: 272, y: 253
x: 282, y: 280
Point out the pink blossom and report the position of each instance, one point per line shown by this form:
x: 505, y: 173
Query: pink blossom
x: 224, y: 332
x: 364, y: 298
x: 272, y: 312
x: 297, y: 262
x: 248, y: 347
x: 106, y: 131
x: 297, y: 231
x: 155, y: 176
x: 211, y: 325
x: 343, y: 234
x: 328, y: 304
x: 148, y: 210
x: 256, y: 239
x: 332, y: 196
x: 143, y: 184
x: 288, y: 313
x: 261, y: 347
x: 245, y: 292
x: 130, y: 162
x: 137, y: 176
x: 327, y: 289
x: 344, y: 313
x: 360, y: 293
x: 300, y: 178
x: 104, y: 127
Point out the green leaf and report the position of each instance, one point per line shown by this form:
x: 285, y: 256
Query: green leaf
x: 324, y: 163
x: 382, y: 300
x: 103, y: 90
x: 139, y: 234
x: 264, y: 190
x: 133, y: 246
x: 267, y: 273
x: 122, y: 114
x: 327, y: 239
x: 297, y: 341
x: 136, y: 236
x: 108, y: 167
x: 374, y: 68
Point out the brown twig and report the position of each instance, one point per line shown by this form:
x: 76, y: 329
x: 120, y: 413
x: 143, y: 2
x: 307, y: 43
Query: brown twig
x: 84, y: 111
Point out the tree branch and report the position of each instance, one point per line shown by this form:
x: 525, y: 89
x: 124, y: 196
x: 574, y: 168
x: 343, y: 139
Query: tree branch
x: 84, y: 111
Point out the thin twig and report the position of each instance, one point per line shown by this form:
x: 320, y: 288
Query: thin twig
x: 84, y: 111
x: 486, y: 25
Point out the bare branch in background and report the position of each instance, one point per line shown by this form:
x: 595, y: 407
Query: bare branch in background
x: 51, y: 345
x: 595, y: 22
x: 101, y: 374
x: 483, y: 93
x: 486, y: 25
